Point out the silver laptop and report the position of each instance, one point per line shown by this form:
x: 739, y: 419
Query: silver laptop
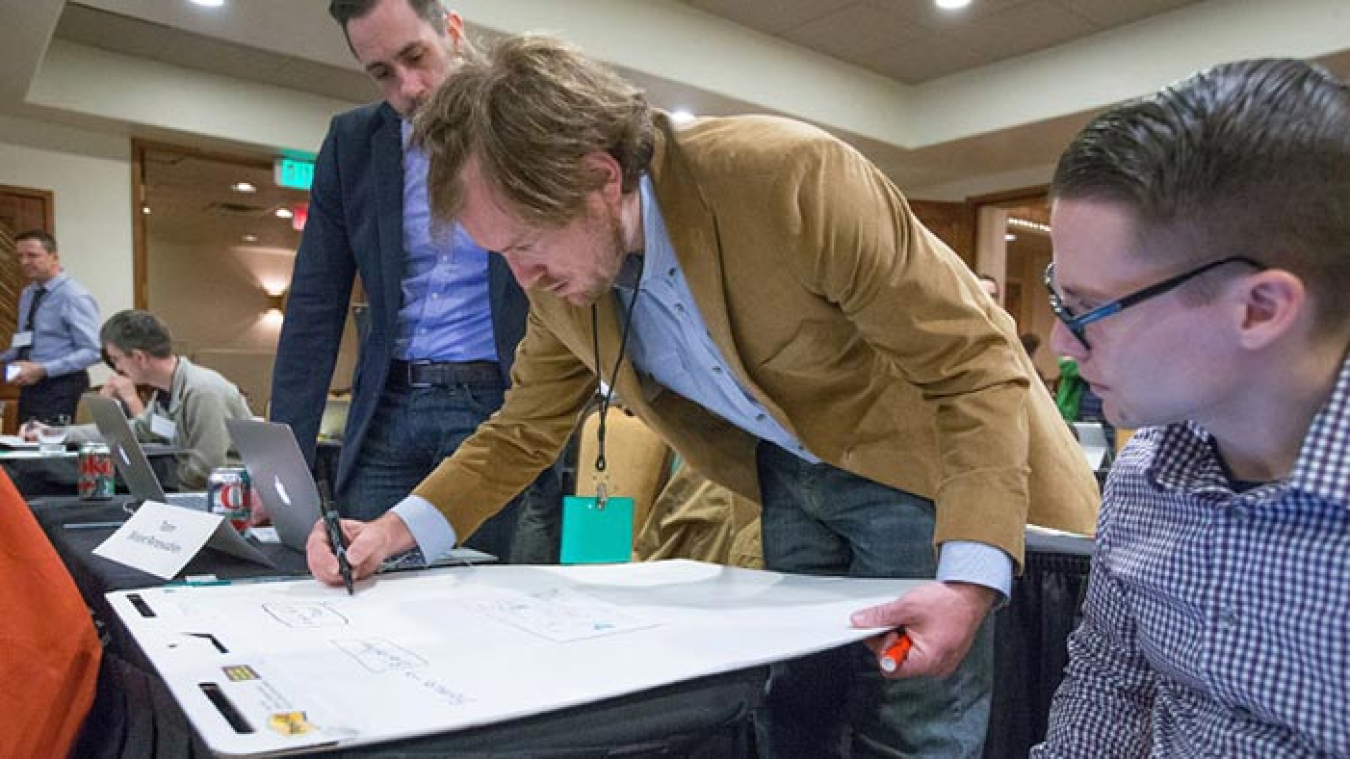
x: 280, y: 475
x: 134, y: 467
x: 287, y: 489
x: 129, y: 456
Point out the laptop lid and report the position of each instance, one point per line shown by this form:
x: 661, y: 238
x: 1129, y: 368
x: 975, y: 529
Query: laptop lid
x: 126, y: 450
x: 280, y: 476
x: 131, y: 463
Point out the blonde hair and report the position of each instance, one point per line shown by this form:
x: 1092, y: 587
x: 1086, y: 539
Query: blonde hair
x: 530, y: 110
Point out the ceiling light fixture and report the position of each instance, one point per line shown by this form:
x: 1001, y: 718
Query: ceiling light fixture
x: 284, y: 213
x: 243, y: 187
x: 208, y: 3
x: 145, y: 210
x: 1009, y: 237
x: 952, y: 5
x: 249, y: 238
x: 1028, y: 225
x: 681, y: 116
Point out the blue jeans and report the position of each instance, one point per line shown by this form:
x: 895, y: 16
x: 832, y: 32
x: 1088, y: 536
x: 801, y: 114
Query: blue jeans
x: 411, y: 432
x: 821, y: 520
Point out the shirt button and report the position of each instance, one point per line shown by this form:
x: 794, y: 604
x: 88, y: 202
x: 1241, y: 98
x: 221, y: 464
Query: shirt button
x: 434, y: 296
x: 1241, y: 512
x: 679, y: 307
x: 759, y: 417
x: 717, y: 370
x: 1228, y: 618
x: 670, y: 272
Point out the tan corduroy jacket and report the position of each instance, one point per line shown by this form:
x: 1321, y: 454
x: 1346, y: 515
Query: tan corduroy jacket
x: 859, y: 330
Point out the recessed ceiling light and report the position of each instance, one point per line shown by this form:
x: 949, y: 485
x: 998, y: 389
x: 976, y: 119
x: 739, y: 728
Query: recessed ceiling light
x: 145, y: 210
x: 1010, y: 237
x: 249, y: 238
x: 208, y: 3
x: 284, y: 213
x: 243, y: 187
x: 951, y: 5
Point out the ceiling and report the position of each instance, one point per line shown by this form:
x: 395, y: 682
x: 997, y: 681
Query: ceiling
x: 914, y: 41
x: 191, y: 200
x: 949, y: 104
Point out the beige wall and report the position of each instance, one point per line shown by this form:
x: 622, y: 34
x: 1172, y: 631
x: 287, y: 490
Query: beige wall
x: 89, y: 175
x: 216, y: 296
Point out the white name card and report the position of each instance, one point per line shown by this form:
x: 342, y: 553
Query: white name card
x: 161, y: 539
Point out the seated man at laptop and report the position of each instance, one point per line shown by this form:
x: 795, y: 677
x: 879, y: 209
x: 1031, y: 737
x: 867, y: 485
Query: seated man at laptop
x: 191, y: 402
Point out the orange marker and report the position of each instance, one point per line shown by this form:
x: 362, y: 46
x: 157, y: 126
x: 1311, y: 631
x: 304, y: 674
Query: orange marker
x: 892, y: 657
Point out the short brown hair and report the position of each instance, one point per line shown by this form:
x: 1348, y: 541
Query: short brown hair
x: 1250, y: 159
x: 531, y: 109
x: 44, y: 239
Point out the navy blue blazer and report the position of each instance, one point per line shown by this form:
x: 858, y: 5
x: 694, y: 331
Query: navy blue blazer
x: 355, y: 226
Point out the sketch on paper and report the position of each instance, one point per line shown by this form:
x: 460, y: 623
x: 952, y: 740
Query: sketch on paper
x: 379, y: 655
x: 561, y: 615
x: 305, y: 616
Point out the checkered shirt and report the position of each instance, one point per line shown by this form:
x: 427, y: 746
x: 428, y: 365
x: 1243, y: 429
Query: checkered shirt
x: 1217, y: 623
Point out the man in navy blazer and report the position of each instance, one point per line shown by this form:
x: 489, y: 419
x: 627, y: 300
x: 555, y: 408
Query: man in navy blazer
x: 444, y: 315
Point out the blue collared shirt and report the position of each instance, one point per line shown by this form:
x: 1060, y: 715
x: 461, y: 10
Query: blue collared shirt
x: 65, y: 327
x: 1215, y: 622
x: 445, y: 314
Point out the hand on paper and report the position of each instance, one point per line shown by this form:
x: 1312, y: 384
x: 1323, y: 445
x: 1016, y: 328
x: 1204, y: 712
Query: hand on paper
x: 368, y: 544
x: 941, y: 619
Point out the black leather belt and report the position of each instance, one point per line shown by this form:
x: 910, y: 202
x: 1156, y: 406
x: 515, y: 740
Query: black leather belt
x: 443, y: 373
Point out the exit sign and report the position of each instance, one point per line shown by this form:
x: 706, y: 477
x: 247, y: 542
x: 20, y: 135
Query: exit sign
x: 294, y: 173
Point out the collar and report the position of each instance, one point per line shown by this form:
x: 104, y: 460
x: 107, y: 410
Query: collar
x: 1187, y: 458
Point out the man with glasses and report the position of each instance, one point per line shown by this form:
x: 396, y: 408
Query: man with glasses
x: 1200, y: 279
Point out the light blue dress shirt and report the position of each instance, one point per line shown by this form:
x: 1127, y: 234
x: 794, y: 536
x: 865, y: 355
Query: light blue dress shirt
x: 65, y: 327
x: 445, y: 314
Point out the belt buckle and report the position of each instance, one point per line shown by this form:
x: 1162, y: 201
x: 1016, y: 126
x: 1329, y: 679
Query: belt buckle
x: 412, y: 381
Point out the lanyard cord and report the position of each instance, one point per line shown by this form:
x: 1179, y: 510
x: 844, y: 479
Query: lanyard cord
x: 603, y: 399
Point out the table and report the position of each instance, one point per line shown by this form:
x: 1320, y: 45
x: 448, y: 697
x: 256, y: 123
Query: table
x: 38, y: 474
x: 135, y: 716
x: 1030, y: 643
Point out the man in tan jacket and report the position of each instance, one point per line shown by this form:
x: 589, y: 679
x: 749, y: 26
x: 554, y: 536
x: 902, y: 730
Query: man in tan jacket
x: 762, y: 297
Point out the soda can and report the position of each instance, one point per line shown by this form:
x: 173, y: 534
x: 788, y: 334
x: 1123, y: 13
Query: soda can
x: 97, y: 482
x: 229, y: 493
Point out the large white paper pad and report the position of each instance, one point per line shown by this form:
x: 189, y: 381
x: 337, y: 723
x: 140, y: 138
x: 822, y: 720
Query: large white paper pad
x: 416, y: 654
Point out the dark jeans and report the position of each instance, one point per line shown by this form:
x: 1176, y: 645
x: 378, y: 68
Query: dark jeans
x: 412, y: 431
x: 52, y: 396
x: 821, y: 520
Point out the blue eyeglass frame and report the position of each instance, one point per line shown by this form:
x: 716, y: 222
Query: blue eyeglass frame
x: 1077, y: 325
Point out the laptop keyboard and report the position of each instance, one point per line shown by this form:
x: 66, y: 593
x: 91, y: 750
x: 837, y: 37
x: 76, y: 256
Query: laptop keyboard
x: 195, y: 501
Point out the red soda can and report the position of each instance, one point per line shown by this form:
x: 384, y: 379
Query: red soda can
x: 229, y: 492
x: 96, y: 482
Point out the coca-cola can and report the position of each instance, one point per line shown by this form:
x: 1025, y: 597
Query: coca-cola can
x: 96, y: 482
x: 229, y: 493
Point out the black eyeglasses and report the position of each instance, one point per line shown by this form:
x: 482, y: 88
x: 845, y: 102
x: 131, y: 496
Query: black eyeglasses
x: 1077, y: 325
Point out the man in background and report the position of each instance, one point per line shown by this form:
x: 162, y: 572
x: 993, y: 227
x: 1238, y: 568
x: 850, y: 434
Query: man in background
x: 1200, y: 278
x: 444, y: 317
x: 776, y: 322
x: 56, y: 338
x: 190, y: 404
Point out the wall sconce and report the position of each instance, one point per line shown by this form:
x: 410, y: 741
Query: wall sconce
x: 276, y: 302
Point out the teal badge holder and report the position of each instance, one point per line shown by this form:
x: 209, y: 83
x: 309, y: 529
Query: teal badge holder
x: 597, y: 530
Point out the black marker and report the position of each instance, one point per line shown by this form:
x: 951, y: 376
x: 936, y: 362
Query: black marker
x: 330, y: 520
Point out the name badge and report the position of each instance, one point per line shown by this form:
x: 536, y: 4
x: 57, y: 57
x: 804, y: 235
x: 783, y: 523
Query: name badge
x: 595, y: 534
x: 163, y: 427
x: 160, y: 539
x: 22, y: 340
